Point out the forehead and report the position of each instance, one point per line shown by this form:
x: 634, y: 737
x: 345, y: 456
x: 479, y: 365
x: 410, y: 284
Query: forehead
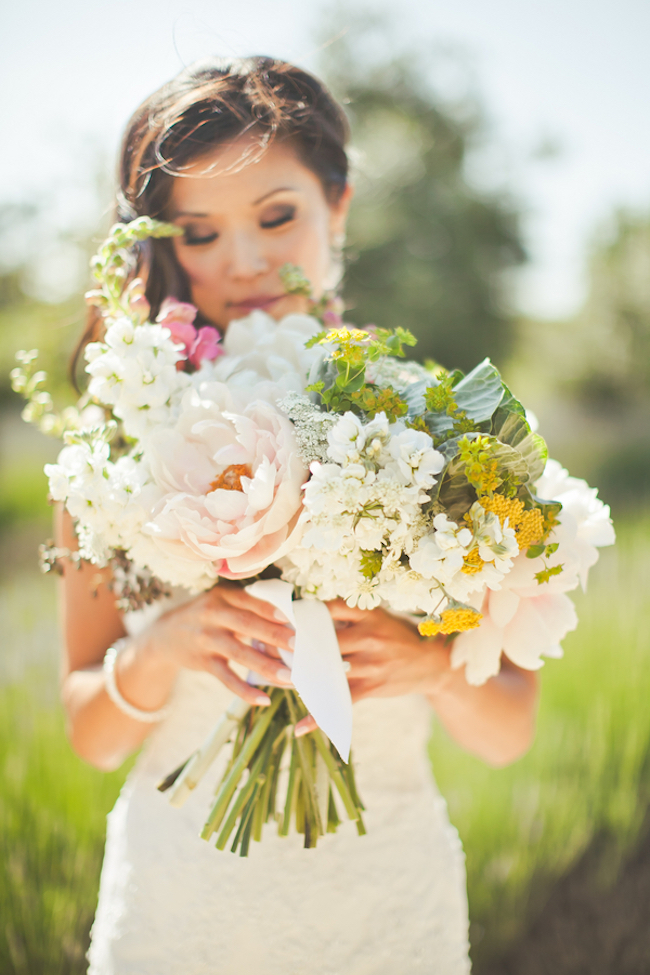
x: 229, y: 178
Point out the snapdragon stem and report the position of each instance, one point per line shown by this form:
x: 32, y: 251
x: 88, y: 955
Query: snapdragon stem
x: 202, y: 759
x: 309, y: 786
x: 244, y: 794
x: 323, y: 747
x: 290, y: 801
x: 333, y: 820
x: 230, y: 783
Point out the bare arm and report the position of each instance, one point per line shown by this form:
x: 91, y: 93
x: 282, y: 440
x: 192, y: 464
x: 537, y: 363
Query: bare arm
x: 205, y: 634
x: 388, y: 658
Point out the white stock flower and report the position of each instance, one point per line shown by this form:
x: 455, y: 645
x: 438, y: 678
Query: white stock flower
x: 415, y: 458
x: 134, y: 371
x: 440, y: 554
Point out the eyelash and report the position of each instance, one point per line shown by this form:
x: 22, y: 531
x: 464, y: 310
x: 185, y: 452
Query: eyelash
x: 286, y: 217
x: 193, y: 241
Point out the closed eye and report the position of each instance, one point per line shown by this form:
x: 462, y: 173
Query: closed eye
x: 192, y: 240
x: 278, y: 217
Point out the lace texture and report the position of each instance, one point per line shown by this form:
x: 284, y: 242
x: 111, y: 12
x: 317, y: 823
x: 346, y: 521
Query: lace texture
x: 389, y: 903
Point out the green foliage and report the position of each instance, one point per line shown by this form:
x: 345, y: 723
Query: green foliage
x: 23, y: 495
x: 608, y: 344
x: 425, y: 248
x: 343, y: 385
x: 589, y: 769
x: 371, y: 562
x: 53, y: 808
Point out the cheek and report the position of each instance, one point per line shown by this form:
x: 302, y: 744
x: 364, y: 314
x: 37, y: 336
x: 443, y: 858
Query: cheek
x: 310, y: 250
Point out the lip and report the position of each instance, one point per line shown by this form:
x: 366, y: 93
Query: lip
x: 258, y: 302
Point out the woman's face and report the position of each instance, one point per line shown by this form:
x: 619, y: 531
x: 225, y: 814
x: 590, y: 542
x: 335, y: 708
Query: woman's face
x: 241, y: 227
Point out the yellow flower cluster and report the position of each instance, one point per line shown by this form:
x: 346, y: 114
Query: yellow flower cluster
x: 472, y: 563
x: 455, y: 619
x: 480, y: 470
x: 347, y: 339
x: 528, y: 525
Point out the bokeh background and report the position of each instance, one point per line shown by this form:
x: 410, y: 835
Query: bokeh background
x: 502, y: 165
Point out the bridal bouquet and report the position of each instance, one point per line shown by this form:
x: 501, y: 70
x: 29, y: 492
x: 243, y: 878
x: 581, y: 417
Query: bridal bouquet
x: 320, y: 458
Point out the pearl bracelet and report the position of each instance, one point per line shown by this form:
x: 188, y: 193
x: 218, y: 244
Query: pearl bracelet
x: 114, y: 693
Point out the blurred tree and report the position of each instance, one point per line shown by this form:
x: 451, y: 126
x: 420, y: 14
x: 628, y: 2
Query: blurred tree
x: 426, y: 250
x: 611, y: 338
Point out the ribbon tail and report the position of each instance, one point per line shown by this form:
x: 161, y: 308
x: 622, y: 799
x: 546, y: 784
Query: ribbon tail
x: 317, y: 669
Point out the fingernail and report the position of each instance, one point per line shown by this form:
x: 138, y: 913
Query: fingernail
x: 346, y: 665
x: 262, y: 700
x: 280, y: 617
x: 292, y: 642
x: 283, y: 674
x: 299, y: 732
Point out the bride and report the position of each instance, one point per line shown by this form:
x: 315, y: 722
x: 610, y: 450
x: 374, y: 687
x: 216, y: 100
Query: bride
x: 248, y: 158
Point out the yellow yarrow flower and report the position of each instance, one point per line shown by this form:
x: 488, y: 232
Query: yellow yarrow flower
x: 528, y: 525
x: 531, y: 529
x: 454, y: 619
x: 472, y: 563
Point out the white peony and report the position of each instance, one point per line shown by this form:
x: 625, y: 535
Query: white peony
x: 230, y: 480
x: 259, y: 349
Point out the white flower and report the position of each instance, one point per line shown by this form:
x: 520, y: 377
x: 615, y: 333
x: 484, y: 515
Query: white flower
x: 134, y: 371
x: 527, y: 620
x: 230, y: 482
x: 415, y: 457
x: 346, y: 440
x: 440, y: 555
x: 258, y: 348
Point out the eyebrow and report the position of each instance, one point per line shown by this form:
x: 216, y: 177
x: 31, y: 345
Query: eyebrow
x: 192, y: 213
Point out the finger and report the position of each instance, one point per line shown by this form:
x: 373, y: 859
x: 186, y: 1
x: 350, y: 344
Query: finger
x: 227, y: 645
x: 266, y: 648
x: 364, y: 665
x: 304, y: 726
x: 340, y: 610
x: 239, y: 598
x: 361, y: 639
x: 252, y: 695
x: 250, y: 625
x: 361, y: 688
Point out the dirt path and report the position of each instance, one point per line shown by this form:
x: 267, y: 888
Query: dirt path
x: 586, y: 927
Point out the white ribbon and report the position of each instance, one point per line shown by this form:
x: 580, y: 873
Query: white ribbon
x: 317, y: 670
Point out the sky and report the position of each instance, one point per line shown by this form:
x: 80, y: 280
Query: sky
x: 565, y: 85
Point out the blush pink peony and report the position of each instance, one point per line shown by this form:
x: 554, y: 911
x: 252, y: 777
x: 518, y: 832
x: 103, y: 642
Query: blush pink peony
x: 230, y: 482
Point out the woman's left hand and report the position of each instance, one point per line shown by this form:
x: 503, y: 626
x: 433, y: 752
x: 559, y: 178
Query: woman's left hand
x: 386, y: 655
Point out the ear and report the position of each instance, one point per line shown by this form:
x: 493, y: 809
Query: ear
x: 339, y: 211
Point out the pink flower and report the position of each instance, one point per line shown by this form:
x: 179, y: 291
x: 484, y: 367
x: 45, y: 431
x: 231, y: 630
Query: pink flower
x: 200, y: 344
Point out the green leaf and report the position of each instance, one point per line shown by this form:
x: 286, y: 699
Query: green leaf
x: 534, y: 551
x: 480, y: 392
x: 545, y: 574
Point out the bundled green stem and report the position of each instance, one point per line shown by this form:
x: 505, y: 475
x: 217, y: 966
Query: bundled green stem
x: 267, y: 756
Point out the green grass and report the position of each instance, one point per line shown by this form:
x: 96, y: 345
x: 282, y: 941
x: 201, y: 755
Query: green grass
x: 52, y: 805
x: 587, y: 772
x: 521, y: 826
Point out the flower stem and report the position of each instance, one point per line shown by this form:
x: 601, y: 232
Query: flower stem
x: 261, y: 724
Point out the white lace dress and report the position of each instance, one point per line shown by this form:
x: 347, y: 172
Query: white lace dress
x: 389, y: 903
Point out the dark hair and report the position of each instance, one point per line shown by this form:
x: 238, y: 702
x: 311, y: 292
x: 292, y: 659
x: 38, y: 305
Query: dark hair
x: 212, y: 102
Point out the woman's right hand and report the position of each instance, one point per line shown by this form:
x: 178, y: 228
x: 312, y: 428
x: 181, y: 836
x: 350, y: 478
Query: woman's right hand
x: 211, y: 632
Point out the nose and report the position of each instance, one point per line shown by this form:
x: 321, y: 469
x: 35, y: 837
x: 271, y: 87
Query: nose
x: 246, y: 258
